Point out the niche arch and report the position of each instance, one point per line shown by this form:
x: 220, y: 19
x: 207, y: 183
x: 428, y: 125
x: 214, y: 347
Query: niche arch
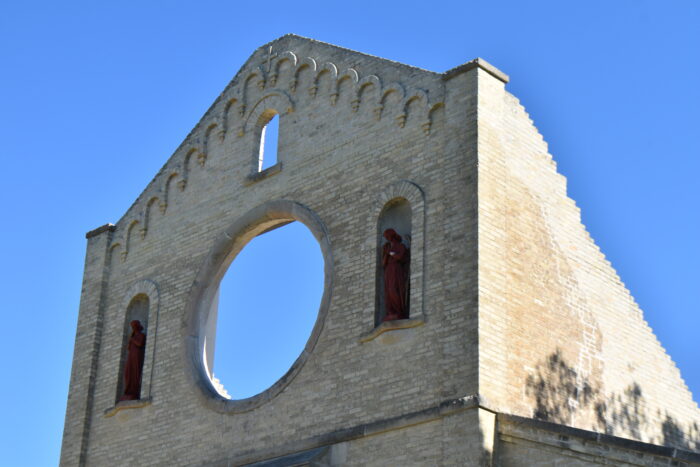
x: 402, y: 197
x: 141, y: 301
x: 278, y: 103
x: 201, y: 305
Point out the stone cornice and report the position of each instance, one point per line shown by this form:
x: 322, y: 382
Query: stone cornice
x: 476, y: 63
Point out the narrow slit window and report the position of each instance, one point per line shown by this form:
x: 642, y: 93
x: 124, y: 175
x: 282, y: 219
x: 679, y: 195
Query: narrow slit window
x: 268, y: 144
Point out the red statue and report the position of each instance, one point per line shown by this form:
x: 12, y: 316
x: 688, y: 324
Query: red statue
x: 395, y: 260
x: 134, y: 363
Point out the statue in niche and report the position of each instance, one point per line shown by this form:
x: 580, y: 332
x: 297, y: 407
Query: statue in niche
x: 133, y: 367
x: 395, y: 261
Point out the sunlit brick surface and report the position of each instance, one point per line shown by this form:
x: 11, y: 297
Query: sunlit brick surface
x: 522, y: 313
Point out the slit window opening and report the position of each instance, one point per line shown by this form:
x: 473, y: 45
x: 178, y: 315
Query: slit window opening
x: 268, y: 144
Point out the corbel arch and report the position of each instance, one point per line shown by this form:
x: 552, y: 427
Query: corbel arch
x: 287, y: 56
x: 368, y: 82
x: 348, y: 74
x: 153, y: 201
x: 307, y: 63
x: 204, y: 153
x: 419, y: 96
x: 187, y: 161
x: 435, y: 111
x: 327, y: 68
x: 116, y: 250
x: 226, y: 117
x: 166, y: 190
x: 395, y: 89
x: 254, y: 82
x: 129, y: 234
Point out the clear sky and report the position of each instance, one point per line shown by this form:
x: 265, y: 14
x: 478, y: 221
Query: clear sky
x: 95, y: 96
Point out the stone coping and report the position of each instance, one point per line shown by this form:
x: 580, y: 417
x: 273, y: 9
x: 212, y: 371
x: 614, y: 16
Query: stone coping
x: 476, y: 63
x: 124, y: 405
x: 391, y: 326
x: 99, y: 230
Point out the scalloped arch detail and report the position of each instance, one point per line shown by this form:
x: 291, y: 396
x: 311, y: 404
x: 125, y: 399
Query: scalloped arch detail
x: 129, y: 231
x: 283, y: 57
x: 305, y: 63
x: 242, y: 104
x: 277, y: 100
x: 327, y: 67
x: 371, y: 81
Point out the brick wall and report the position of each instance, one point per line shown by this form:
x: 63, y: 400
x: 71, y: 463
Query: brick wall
x: 518, y: 309
x: 563, y: 339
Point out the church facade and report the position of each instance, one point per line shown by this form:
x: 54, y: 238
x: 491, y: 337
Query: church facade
x: 506, y: 339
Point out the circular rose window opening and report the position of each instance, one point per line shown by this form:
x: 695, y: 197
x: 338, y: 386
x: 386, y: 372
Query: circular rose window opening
x: 264, y: 311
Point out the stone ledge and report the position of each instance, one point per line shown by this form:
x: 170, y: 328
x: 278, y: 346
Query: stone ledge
x: 391, y: 326
x: 476, y: 63
x: 124, y: 405
x: 99, y: 230
x: 295, y: 459
x: 269, y: 172
x: 436, y: 412
x: 623, y: 443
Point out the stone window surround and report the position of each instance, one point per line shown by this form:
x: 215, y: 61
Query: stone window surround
x: 205, y: 287
x: 148, y: 288
x: 412, y: 193
x: 277, y: 102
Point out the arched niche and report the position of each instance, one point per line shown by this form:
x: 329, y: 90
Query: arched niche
x: 401, y: 206
x: 395, y: 215
x: 200, y: 315
x: 136, y: 310
x: 141, y: 302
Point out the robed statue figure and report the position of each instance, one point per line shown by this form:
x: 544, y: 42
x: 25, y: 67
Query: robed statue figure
x: 395, y: 261
x: 134, y: 363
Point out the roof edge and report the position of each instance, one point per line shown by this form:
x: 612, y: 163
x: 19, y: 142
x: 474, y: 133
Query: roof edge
x: 476, y: 63
x: 99, y: 230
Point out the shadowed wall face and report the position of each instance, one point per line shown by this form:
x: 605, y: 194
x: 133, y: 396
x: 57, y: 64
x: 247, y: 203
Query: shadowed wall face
x: 579, y: 352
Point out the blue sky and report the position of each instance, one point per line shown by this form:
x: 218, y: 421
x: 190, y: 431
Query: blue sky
x: 95, y: 96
